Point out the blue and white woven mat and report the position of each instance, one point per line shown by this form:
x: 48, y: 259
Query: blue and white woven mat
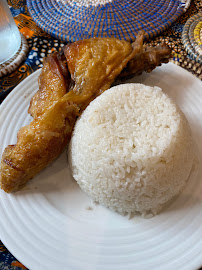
x: 70, y: 20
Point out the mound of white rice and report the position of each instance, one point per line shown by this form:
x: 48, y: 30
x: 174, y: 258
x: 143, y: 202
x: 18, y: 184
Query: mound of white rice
x: 131, y: 149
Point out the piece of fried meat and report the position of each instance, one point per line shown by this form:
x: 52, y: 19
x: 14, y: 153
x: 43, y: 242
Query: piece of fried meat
x: 54, y: 82
x: 93, y: 64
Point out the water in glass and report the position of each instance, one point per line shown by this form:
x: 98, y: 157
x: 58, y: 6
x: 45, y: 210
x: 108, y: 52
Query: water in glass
x: 10, y: 39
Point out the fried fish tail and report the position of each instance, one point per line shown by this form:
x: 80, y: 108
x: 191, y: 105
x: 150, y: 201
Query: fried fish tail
x: 38, y: 144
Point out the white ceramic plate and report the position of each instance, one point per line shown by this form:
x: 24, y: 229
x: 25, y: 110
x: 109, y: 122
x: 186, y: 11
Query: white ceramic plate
x: 52, y: 224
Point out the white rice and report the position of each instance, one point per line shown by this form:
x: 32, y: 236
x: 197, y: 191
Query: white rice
x: 131, y: 149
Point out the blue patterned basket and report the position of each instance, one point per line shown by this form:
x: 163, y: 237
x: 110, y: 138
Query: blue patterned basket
x: 191, y: 44
x: 119, y: 18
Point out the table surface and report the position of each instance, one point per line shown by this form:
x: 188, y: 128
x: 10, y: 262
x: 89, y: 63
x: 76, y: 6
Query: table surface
x: 41, y: 44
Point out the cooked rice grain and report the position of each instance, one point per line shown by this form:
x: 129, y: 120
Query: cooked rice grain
x: 131, y: 149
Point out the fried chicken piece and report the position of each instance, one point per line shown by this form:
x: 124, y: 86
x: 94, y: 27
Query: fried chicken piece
x: 146, y: 60
x: 54, y: 82
x: 55, y: 69
x: 45, y: 137
x: 38, y: 144
x: 94, y: 64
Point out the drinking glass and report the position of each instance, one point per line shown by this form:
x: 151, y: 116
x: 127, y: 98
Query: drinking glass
x: 10, y: 38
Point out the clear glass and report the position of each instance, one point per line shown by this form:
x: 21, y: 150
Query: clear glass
x: 10, y: 39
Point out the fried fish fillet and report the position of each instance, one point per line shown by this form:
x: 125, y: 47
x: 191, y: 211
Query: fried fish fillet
x: 93, y: 64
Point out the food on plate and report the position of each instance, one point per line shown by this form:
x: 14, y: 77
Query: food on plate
x: 53, y: 81
x: 44, y: 138
x: 38, y: 144
x: 136, y: 151
x: 80, y: 65
x: 146, y: 60
x: 67, y: 84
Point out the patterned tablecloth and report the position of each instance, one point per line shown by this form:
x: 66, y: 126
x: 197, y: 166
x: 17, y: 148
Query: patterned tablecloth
x: 42, y: 44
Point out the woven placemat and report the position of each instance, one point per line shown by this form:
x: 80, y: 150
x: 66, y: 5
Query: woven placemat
x: 198, y: 37
x: 70, y: 20
x: 194, y: 42
x: 191, y: 37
